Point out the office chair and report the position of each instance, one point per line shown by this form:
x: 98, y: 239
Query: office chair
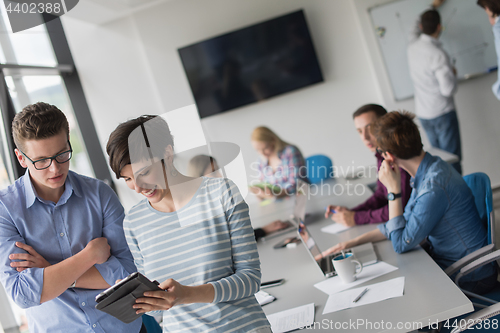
x: 151, y: 324
x: 464, y: 323
x: 319, y: 168
x: 480, y: 185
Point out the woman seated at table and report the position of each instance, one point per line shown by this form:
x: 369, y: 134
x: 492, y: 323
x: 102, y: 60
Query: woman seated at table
x: 279, y: 166
x: 441, y: 206
x: 204, y: 165
x: 194, y: 234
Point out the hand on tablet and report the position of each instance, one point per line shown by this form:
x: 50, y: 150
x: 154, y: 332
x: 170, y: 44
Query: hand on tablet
x: 173, y: 293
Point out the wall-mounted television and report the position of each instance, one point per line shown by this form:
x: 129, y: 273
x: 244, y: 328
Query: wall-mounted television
x: 251, y: 64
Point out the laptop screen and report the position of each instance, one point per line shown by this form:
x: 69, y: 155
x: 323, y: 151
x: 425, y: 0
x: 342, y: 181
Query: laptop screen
x: 308, y: 240
x: 299, y: 209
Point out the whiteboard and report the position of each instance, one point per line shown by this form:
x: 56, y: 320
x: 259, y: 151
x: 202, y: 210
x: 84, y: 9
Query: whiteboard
x: 467, y: 37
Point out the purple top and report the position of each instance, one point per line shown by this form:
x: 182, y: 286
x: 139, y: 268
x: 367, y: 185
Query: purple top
x: 376, y: 208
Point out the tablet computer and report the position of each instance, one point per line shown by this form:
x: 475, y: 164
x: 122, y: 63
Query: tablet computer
x: 118, y: 300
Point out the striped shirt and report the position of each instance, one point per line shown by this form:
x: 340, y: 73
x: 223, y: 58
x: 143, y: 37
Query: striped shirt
x: 209, y: 240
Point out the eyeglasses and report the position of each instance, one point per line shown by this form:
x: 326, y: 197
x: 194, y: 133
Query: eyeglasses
x: 44, y: 163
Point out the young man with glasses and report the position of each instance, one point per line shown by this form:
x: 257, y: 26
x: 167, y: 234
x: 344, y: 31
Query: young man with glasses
x: 61, y: 234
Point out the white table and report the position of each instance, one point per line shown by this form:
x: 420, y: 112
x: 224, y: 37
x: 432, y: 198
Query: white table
x: 340, y: 192
x: 429, y: 296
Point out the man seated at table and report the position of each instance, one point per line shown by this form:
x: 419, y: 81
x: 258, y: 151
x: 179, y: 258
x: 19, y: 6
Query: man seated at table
x: 441, y: 207
x: 375, y: 209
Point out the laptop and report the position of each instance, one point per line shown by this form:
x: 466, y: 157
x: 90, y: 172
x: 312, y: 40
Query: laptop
x: 364, y: 253
x: 299, y: 210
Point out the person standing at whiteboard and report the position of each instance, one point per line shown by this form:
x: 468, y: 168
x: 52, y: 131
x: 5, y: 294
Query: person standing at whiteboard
x: 435, y: 82
x: 492, y: 8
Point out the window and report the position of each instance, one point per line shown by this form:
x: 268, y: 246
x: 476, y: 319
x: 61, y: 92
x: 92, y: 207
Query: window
x: 36, y: 65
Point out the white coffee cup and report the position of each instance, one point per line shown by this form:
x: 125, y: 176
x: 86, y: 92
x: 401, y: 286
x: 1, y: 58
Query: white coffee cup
x: 345, y: 266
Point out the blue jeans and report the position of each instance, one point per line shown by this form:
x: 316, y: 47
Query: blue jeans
x: 443, y: 133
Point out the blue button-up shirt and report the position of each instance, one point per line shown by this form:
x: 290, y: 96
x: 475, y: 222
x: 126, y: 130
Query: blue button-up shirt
x: 496, y: 34
x: 87, y: 209
x: 442, y: 208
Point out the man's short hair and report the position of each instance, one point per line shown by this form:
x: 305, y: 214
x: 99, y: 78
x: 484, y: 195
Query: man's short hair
x: 38, y: 121
x: 430, y: 21
x: 397, y: 133
x: 375, y: 108
x: 151, y: 141
x: 492, y: 5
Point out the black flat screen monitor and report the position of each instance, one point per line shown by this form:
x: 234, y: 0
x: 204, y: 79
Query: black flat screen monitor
x: 251, y: 64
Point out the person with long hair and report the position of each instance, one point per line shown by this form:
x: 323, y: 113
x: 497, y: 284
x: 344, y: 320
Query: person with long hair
x: 279, y: 166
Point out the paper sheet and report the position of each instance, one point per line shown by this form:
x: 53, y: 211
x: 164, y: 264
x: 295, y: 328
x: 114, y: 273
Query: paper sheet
x: 292, y: 319
x: 334, y: 284
x: 376, y: 292
x: 334, y: 228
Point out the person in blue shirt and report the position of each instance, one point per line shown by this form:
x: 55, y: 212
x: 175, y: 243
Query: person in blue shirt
x: 492, y: 8
x: 441, y: 208
x: 61, y: 234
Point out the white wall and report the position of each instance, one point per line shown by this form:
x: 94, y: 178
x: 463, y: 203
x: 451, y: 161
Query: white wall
x: 314, y: 118
x: 115, y: 78
x: 131, y: 67
x: 115, y: 59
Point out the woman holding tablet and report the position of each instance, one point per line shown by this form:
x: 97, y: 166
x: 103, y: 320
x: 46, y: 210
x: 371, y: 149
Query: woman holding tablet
x: 279, y: 166
x: 194, y: 234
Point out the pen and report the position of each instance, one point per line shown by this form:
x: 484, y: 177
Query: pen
x: 360, y: 295
x: 331, y: 210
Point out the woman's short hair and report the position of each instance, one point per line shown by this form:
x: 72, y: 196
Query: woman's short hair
x: 150, y: 141
x: 38, y: 121
x: 266, y: 135
x: 397, y: 133
x: 492, y: 5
